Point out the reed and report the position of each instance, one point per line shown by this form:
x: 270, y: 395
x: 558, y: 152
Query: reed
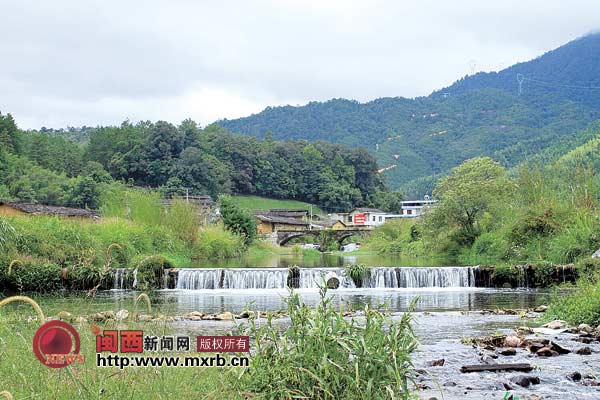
x: 27, y: 300
x: 143, y: 296
x: 6, y: 394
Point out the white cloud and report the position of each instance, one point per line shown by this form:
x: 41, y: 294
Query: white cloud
x: 98, y: 62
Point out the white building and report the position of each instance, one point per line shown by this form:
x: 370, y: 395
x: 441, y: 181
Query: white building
x: 414, y: 208
x: 367, y: 217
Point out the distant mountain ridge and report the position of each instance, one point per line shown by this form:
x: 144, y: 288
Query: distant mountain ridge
x: 417, y: 140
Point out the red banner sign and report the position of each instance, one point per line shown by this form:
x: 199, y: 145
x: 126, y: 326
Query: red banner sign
x: 360, y: 219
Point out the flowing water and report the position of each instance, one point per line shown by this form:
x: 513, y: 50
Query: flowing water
x: 445, y: 300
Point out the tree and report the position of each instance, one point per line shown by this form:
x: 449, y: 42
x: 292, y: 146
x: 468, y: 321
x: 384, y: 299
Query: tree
x: 237, y: 220
x: 85, y: 193
x: 472, y: 189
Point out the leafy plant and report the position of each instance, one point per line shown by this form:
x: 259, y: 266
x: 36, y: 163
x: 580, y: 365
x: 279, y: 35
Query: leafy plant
x: 323, y: 355
x: 357, y: 272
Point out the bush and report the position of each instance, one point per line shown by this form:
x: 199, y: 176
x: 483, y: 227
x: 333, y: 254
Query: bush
x: 151, y: 271
x: 582, y: 306
x: 237, y: 220
x: 357, y: 272
x: 182, y: 219
x: 322, y: 355
x: 216, y: 242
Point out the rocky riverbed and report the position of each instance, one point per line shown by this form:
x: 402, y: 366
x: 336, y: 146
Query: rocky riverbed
x: 446, y: 346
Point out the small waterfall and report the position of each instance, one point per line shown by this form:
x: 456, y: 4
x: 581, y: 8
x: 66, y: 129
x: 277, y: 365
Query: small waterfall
x: 194, y: 279
x: 255, y: 278
x: 422, y: 277
x: 311, y: 278
x: 134, y: 285
x: 314, y: 277
x: 119, y: 281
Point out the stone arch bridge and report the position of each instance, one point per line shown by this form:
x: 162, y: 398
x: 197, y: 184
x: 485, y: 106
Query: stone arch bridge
x: 284, y: 236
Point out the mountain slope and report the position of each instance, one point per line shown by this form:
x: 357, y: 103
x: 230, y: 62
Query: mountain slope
x: 416, y: 140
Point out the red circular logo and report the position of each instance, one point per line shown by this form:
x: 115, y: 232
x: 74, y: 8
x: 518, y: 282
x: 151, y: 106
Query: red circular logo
x: 56, y: 344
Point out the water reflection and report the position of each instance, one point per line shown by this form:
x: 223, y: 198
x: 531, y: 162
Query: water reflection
x: 321, y: 260
x: 398, y: 300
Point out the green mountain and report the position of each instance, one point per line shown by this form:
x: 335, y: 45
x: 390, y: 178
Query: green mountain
x: 417, y: 140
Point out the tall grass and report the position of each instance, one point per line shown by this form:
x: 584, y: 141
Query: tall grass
x: 323, y: 355
x: 216, y: 242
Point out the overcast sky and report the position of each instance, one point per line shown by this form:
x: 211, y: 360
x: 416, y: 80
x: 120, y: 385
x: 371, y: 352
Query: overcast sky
x: 72, y: 63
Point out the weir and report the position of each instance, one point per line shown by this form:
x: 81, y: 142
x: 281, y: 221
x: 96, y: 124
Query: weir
x: 311, y: 278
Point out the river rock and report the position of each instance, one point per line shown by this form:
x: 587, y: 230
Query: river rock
x: 556, y: 324
x: 541, y: 309
x: 524, y: 330
x: 436, y: 363
x: 585, y: 328
x: 508, y: 352
x: 81, y: 320
x: 103, y: 316
x: 558, y: 348
x: 65, y: 316
x: 534, y: 347
x: 546, y: 352
x: 512, y: 341
x: 194, y: 316
x: 584, y: 339
x: 226, y: 316
x: 525, y: 380
x: 574, y: 376
x: 584, y: 351
x: 122, y: 315
x: 144, y: 318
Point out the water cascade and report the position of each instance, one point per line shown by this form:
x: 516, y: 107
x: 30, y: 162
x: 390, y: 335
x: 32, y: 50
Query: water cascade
x: 310, y: 278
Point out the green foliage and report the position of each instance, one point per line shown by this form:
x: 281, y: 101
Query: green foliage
x: 7, y: 233
x: 237, y: 220
x: 216, y: 242
x: 472, y: 189
x: 581, y: 306
x: 183, y: 220
x: 357, y: 272
x: 150, y: 271
x: 396, y: 237
x: 328, y: 241
x: 323, y: 355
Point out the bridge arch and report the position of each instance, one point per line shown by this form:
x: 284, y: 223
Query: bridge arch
x: 285, y: 236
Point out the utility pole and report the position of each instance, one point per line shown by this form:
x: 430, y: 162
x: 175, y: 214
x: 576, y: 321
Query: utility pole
x: 310, y: 219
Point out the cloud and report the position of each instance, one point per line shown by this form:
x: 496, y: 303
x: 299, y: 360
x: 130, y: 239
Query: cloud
x: 98, y: 62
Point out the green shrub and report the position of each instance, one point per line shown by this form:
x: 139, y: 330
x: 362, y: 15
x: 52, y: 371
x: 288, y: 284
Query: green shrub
x: 542, y: 274
x: 323, y: 355
x: 182, y: 219
x: 33, y: 275
x: 216, y: 242
x: 588, y: 268
x: 581, y: 306
x: 357, y: 272
x: 151, y: 271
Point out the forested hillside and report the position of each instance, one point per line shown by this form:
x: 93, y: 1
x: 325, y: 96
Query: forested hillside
x: 47, y: 167
x: 417, y: 140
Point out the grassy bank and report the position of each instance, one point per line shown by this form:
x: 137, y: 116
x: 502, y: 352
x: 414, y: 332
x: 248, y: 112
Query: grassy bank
x: 43, y: 253
x: 253, y: 203
x: 321, y: 355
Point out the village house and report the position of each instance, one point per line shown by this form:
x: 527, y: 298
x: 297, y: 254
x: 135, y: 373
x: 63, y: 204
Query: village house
x: 267, y: 224
x: 365, y: 217
x: 278, y: 219
x: 415, y: 208
x: 11, y: 209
